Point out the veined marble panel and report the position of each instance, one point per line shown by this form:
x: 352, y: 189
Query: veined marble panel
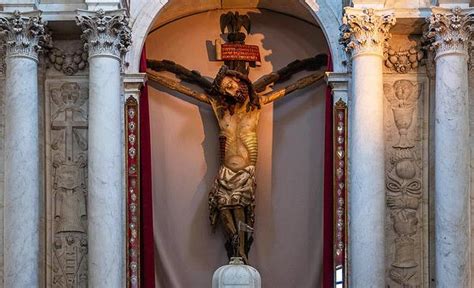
x: 2, y: 159
x: 471, y: 145
x: 66, y: 115
x: 406, y: 113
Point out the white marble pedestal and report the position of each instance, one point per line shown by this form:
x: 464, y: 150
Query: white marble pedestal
x: 236, y: 274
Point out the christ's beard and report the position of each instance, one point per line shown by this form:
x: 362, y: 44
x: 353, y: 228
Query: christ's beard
x: 240, y: 97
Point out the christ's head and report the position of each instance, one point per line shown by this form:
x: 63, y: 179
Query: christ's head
x: 232, y: 87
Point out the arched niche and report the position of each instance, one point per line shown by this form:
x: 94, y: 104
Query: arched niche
x: 326, y: 13
x: 184, y: 139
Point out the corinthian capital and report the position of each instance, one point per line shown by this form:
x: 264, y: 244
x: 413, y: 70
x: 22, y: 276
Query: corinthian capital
x: 24, y: 34
x: 366, y: 31
x: 449, y: 31
x: 105, y: 32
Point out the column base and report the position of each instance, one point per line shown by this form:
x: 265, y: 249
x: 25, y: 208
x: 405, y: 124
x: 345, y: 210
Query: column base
x: 236, y: 274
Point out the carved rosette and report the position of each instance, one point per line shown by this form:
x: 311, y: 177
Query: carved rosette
x: 366, y: 31
x: 24, y: 34
x: 449, y: 31
x: 105, y: 32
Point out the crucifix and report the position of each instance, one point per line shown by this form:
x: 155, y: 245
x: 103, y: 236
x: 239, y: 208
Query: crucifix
x: 69, y: 178
x: 236, y: 102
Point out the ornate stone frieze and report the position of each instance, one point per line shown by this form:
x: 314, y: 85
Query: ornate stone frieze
x: 67, y: 62
x: 24, y: 33
x: 366, y: 31
x: 403, y: 61
x: 449, y: 30
x: 105, y: 32
x: 67, y: 184
x: 404, y: 184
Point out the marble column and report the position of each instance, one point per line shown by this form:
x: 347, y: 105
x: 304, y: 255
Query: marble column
x: 364, y: 34
x: 449, y: 31
x: 107, y: 37
x: 24, y: 34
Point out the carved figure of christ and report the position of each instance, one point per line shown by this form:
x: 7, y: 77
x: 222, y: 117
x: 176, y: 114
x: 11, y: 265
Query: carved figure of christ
x: 69, y: 124
x: 236, y: 103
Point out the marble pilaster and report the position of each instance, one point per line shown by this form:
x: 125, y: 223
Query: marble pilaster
x: 364, y: 34
x: 24, y: 35
x: 2, y: 154
x: 107, y: 38
x: 449, y: 32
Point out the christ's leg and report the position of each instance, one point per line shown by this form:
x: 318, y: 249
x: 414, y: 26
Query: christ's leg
x: 239, y: 214
x: 231, y: 231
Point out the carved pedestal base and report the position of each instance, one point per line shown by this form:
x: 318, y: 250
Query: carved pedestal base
x: 236, y: 274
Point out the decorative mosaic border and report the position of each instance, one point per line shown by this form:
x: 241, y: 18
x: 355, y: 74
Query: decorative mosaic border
x: 340, y: 195
x: 133, y: 192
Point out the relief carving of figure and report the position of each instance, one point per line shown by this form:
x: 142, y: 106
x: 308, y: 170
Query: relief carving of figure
x: 403, y: 184
x: 402, y: 98
x: 69, y: 185
x: 236, y: 102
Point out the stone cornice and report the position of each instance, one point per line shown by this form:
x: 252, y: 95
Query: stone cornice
x: 24, y: 34
x: 450, y: 30
x: 105, y: 33
x: 366, y: 31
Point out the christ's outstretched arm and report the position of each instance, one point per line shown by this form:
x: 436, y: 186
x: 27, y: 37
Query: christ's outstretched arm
x: 300, y: 84
x: 176, y: 86
x: 310, y: 64
x: 192, y: 77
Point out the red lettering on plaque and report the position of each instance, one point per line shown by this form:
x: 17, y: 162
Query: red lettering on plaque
x: 240, y: 52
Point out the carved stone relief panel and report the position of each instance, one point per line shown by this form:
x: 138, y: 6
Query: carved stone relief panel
x: 405, y: 114
x: 66, y: 109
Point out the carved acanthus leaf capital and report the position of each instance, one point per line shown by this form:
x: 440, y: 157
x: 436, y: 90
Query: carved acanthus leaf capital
x: 366, y: 31
x: 24, y: 34
x: 105, y: 32
x: 450, y: 31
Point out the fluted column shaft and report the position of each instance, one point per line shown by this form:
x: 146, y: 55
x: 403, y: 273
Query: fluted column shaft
x: 23, y: 33
x: 364, y: 34
x: 107, y: 37
x: 449, y: 31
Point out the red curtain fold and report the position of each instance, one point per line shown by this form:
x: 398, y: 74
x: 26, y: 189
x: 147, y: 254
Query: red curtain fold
x: 328, y: 217
x: 146, y: 217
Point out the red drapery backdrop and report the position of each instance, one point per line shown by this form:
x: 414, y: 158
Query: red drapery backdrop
x: 146, y: 217
x: 328, y: 218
